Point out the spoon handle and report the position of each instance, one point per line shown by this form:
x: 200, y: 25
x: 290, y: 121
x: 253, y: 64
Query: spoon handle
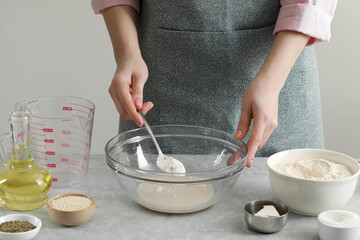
x: 151, y: 133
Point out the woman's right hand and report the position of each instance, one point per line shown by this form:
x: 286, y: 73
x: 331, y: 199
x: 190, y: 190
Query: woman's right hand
x: 126, y: 89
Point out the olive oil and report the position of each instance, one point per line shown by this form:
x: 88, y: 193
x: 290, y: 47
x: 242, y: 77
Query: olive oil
x: 23, y: 183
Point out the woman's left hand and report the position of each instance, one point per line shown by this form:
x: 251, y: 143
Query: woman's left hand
x: 260, y: 104
x: 260, y: 100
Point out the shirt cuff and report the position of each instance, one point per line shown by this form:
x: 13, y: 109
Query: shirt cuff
x: 307, y: 19
x: 99, y: 5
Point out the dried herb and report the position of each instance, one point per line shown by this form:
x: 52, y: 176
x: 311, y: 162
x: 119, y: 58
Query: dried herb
x: 16, y: 226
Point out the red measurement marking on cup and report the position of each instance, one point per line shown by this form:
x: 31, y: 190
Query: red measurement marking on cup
x: 21, y: 134
x: 80, y: 111
x: 51, y: 153
x: 37, y: 134
x: 66, y: 120
x: 86, y: 158
x: 41, y: 124
x: 75, y: 104
x: 49, y: 140
x: 34, y: 144
x: 65, y: 145
x: 65, y: 160
x: 34, y: 150
x: 36, y: 139
x: 37, y: 157
x: 73, y: 109
x: 51, y: 165
x: 65, y: 132
x: 67, y: 109
x: 48, y: 130
x: 40, y: 129
x: 54, y: 179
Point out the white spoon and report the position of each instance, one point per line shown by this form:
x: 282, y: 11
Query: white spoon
x: 165, y: 163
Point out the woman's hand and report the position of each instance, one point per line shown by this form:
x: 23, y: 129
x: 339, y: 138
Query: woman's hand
x: 126, y: 89
x: 260, y: 100
x: 260, y: 104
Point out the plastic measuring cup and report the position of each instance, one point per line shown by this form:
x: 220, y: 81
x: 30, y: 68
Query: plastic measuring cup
x: 60, y: 131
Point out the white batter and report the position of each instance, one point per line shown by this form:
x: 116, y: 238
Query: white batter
x: 175, y: 198
x: 315, y: 169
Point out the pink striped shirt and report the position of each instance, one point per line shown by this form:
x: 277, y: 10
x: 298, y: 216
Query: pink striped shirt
x: 311, y: 17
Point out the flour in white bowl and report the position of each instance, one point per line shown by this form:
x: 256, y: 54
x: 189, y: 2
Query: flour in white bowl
x: 315, y: 169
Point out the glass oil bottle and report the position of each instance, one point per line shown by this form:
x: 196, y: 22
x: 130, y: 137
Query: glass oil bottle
x: 23, y: 183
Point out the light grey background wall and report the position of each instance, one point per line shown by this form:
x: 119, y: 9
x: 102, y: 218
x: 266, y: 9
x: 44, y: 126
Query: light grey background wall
x: 52, y: 48
x: 339, y: 69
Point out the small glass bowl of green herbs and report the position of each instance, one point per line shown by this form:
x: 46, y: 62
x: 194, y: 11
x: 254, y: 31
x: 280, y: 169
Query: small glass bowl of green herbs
x: 19, y: 227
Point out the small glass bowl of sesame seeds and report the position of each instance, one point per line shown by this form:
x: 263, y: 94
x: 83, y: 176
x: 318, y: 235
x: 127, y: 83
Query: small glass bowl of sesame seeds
x: 71, y: 209
x: 19, y: 227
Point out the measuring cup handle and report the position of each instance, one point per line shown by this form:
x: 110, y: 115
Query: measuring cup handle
x: 3, y: 154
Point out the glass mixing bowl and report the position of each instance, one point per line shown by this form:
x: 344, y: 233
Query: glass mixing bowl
x: 213, y: 160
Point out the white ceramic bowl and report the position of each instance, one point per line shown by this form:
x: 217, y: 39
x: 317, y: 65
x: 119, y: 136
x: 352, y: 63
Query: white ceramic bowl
x: 311, y: 197
x: 22, y: 235
x: 339, y: 224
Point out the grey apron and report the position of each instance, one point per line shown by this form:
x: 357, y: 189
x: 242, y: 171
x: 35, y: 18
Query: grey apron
x: 202, y: 55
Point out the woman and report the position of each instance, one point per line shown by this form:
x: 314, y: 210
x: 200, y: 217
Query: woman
x: 238, y: 66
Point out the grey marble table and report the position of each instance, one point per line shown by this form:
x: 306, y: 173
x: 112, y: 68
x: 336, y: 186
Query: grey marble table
x: 118, y: 217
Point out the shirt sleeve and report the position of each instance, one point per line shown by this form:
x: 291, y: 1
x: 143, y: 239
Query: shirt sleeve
x: 99, y: 5
x: 311, y: 17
